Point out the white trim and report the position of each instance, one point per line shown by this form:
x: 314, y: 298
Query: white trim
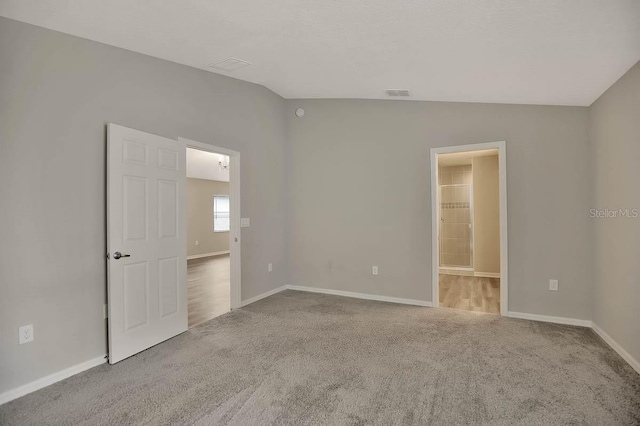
x: 504, y: 251
x: 487, y: 274
x: 234, y: 196
x: 361, y: 295
x: 546, y: 318
x: 264, y: 295
x: 616, y: 347
x: 468, y: 273
x: 213, y: 253
x: 50, y: 379
x: 456, y: 271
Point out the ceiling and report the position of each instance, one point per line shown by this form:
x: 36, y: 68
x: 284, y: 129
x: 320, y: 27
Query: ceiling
x: 557, y: 52
x: 463, y: 158
x: 204, y: 165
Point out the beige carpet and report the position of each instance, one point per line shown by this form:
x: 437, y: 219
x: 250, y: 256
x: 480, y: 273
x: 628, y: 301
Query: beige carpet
x: 300, y: 358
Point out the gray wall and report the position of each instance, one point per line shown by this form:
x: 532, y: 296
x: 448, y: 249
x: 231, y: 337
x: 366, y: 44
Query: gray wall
x: 360, y: 196
x: 329, y: 195
x: 200, y: 194
x: 57, y: 93
x: 615, y: 132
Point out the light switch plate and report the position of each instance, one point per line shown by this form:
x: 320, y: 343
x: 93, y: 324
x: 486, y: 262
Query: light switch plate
x: 374, y: 270
x: 245, y: 222
x: 553, y: 285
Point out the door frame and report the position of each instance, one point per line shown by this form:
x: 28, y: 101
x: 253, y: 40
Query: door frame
x: 234, y: 205
x: 504, y: 253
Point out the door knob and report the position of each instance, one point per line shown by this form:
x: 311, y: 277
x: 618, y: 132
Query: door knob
x: 117, y: 255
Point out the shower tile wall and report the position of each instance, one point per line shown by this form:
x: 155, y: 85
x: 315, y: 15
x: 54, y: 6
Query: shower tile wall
x: 455, y: 214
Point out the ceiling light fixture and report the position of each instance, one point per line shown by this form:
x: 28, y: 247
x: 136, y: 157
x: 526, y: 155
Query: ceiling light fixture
x: 223, y: 162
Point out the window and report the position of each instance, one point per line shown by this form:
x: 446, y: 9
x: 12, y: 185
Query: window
x: 220, y: 213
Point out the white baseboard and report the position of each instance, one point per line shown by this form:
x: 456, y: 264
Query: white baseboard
x: 214, y: 253
x: 456, y: 271
x: 361, y: 295
x: 263, y: 295
x: 487, y: 274
x: 468, y: 273
x: 616, y: 347
x: 50, y: 379
x: 546, y: 318
x: 338, y: 293
x: 634, y: 363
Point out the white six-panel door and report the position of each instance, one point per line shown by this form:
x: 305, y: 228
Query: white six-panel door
x: 146, y: 240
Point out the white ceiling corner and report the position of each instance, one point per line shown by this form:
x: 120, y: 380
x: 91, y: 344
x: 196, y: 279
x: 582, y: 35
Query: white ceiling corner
x: 555, y: 52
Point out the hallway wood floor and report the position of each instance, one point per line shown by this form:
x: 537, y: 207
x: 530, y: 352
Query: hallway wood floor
x: 208, y: 288
x: 470, y: 293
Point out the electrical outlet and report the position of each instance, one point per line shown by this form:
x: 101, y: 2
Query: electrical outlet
x: 374, y: 270
x: 105, y: 311
x: 270, y: 267
x: 25, y: 334
x: 553, y: 285
x: 197, y: 242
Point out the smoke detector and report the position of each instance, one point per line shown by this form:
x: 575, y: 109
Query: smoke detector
x: 230, y: 64
x: 397, y: 92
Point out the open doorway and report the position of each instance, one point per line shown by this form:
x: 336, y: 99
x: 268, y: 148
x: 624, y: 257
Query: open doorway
x: 147, y: 238
x: 208, y: 235
x: 469, y: 228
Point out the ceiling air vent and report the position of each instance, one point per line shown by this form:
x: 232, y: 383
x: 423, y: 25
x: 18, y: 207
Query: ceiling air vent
x: 397, y: 92
x: 230, y: 64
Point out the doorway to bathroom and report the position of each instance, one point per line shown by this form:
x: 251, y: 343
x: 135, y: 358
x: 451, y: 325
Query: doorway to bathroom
x: 469, y: 227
